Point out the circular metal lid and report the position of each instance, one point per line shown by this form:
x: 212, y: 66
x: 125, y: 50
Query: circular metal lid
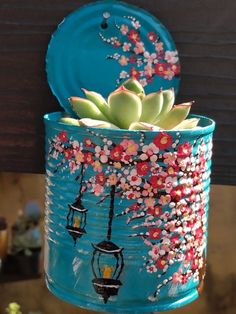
x: 101, y: 44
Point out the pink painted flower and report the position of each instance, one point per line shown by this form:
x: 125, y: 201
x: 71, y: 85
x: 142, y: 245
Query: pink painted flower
x: 139, y: 48
x: 123, y: 60
x: 98, y: 189
x: 149, y: 202
x: 149, y: 58
x: 170, y: 182
x: 136, y: 24
x: 124, y: 29
x: 72, y: 166
x: 163, y: 140
x: 154, y: 233
x: 159, y: 46
x: 154, y: 253
x: 168, y: 74
x: 63, y: 136
x: 79, y: 157
x: 97, y: 167
x: 152, y: 36
x: 142, y: 168
x: 175, y: 68
x: 170, y: 158
x: 171, y: 56
x: 150, y: 149
x: 164, y: 199
x: 176, y: 278
x: 126, y: 47
x: 123, y: 75
x: 148, y: 71
x: 134, y: 179
x: 131, y: 148
x: 112, y: 179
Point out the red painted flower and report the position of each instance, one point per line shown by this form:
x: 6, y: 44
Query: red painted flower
x: 160, y: 68
x: 195, y: 264
x: 175, y: 68
x: 161, y: 263
x: 175, y: 240
x: 155, y: 211
x: 163, y: 140
x: 100, y: 178
x: 157, y: 181
x: 88, y: 143
x: 88, y: 157
x: 63, y: 136
x: 189, y: 255
x: 133, y: 36
x: 154, y: 233
x: 152, y: 36
x: 184, y: 150
x: 177, y: 193
x: 142, y: 168
x: 132, y: 59
x: 198, y: 233
x: 135, y: 73
x: 172, y: 170
x: 116, y: 153
x: 68, y: 153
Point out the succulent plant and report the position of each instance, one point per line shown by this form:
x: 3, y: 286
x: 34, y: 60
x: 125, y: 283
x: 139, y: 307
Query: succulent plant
x: 129, y: 108
x: 13, y: 308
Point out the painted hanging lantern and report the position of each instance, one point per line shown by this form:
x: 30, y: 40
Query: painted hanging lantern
x: 76, y: 220
x: 107, y: 265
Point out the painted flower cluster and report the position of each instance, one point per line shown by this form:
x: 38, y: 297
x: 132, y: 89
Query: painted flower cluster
x: 136, y: 60
x: 163, y: 183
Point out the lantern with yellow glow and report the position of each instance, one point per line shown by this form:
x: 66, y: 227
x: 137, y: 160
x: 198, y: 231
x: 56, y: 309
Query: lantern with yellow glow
x: 76, y: 220
x: 107, y: 265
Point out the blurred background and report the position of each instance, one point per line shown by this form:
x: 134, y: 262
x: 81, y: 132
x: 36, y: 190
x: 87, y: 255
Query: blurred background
x: 218, y: 297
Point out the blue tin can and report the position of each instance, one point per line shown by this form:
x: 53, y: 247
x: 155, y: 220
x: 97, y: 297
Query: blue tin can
x: 126, y: 215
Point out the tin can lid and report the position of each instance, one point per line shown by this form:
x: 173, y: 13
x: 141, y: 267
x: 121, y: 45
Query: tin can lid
x: 103, y: 43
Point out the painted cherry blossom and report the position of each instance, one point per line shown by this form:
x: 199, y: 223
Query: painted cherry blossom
x: 139, y: 61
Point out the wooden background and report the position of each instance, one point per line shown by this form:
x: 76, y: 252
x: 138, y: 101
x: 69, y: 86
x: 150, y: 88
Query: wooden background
x: 205, y: 35
x: 220, y: 285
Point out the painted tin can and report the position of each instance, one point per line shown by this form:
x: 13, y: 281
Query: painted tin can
x: 126, y: 215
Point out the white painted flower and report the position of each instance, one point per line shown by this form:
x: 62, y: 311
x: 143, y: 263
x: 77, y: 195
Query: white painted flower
x: 123, y: 60
x: 134, y: 179
x: 154, y: 253
x: 151, y: 268
x: 136, y: 24
x: 139, y: 47
x: 143, y: 82
x: 159, y: 46
x: 171, y: 56
x: 126, y: 46
x: 124, y: 74
x: 124, y: 29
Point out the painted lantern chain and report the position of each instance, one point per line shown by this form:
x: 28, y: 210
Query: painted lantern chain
x: 135, y: 59
x: 162, y: 179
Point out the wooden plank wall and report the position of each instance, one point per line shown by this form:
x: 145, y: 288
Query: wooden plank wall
x: 220, y: 285
x: 205, y: 34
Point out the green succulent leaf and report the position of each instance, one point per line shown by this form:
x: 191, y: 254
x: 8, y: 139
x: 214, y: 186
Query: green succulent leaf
x: 143, y: 126
x: 174, y: 117
x: 97, y: 124
x: 187, y: 124
x: 125, y: 107
x: 70, y: 121
x: 168, y: 102
x: 151, y: 107
x: 85, y: 108
x: 98, y: 100
x: 134, y: 86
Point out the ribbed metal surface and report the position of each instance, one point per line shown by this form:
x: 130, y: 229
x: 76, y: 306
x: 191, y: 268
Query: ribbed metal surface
x: 96, y: 262
x: 205, y: 35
